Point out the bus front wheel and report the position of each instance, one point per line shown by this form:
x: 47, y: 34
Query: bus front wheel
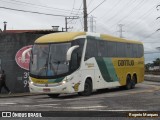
x: 87, y: 88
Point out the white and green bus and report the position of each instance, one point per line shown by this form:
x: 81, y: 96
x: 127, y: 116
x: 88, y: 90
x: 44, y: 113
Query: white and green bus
x: 81, y: 62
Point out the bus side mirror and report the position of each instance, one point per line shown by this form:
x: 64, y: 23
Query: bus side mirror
x: 69, y: 52
x: 24, y: 54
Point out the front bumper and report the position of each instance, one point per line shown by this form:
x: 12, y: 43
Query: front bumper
x: 59, y: 89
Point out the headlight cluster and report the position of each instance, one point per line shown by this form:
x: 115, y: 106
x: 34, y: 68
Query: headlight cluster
x: 30, y: 81
x: 69, y: 78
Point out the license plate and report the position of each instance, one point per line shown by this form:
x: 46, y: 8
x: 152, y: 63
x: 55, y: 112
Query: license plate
x: 46, y: 90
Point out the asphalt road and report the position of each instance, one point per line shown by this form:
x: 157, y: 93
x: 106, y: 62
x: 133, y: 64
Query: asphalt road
x: 145, y: 97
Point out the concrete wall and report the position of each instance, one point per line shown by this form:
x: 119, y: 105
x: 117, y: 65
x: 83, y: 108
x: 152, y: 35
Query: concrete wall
x: 153, y: 78
x: 16, y: 77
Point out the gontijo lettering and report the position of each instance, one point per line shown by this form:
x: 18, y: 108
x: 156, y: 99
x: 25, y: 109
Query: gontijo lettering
x: 125, y: 62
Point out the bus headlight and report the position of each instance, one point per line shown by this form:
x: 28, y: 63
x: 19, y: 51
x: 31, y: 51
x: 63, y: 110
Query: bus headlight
x: 61, y: 83
x: 30, y: 81
x: 69, y: 78
x: 64, y: 82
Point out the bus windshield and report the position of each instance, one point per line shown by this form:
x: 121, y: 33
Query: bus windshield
x: 49, y: 59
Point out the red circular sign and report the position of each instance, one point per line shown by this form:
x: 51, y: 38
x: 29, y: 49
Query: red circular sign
x: 18, y: 58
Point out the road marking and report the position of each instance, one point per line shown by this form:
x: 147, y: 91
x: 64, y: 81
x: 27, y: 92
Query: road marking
x: 56, y: 106
x: 42, y: 105
x: 117, y: 110
x: 7, y: 103
x: 46, y: 105
x: 124, y: 110
x: 88, y: 107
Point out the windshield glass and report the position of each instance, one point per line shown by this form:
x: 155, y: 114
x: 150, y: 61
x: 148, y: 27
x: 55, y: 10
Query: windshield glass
x: 49, y: 59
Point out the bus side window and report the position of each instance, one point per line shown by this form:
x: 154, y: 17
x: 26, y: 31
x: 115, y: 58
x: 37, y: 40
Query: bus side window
x: 129, y: 50
x: 91, y: 49
x: 111, y: 49
x: 135, y: 50
x: 121, y: 49
x: 102, y: 52
x: 140, y: 51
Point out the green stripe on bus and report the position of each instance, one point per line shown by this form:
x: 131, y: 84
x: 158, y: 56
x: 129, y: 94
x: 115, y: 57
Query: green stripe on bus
x: 110, y: 68
x: 55, y: 80
x: 107, y: 69
x: 103, y: 69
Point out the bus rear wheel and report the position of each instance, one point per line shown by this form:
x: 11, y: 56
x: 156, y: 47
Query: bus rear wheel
x: 53, y: 95
x: 128, y: 83
x: 87, y: 88
x: 133, y: 83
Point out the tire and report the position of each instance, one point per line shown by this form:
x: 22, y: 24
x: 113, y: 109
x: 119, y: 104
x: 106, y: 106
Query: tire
x: 133, y: 83
x: 87, y: 88
x: 53, y: 95
x: 128, y: 83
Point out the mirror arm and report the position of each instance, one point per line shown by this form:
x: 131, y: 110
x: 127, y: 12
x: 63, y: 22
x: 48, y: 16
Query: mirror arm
x: 24, y: 54
x: 69, y: 52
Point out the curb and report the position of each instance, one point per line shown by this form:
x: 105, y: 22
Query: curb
x: 152, y: 78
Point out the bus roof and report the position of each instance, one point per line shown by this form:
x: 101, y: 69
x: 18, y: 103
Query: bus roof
x: 113, y: 38
x: 69, y: 36
x: 59, y: 37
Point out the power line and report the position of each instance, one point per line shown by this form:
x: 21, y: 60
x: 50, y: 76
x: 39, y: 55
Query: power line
x: 33, y: 12
x: 147, y: 13
x: 85, y: 15
x: 131, y: 12
x: 150, y: 35
x: 27, y: 3
x: 123, y: 8
x: 96, y: 7
x: 110, y: 9
x: 76, y: 13
x: 73, y: 7
x: 91, y: 1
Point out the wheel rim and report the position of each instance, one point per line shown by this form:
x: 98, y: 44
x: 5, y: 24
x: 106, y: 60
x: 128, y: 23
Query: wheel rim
x: 86, y: 89
x: 129, y: 83
x: 133, y: 81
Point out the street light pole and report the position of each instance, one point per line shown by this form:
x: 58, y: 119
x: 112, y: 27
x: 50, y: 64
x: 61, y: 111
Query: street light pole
x: 85, y: 15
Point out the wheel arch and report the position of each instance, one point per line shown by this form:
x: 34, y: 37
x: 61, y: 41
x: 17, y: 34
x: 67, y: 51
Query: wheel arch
x: 89, y: 79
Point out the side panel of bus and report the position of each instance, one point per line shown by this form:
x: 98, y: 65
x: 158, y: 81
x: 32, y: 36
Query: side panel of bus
x: 113, y: 70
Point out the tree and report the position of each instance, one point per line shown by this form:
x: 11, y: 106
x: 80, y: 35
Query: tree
x: 156, y: 62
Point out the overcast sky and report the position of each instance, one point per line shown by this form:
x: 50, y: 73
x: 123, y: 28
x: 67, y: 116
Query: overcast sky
x: 138, y: 18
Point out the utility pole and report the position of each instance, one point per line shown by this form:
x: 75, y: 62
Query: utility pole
x: 121, y: 30
x: 66, y: 22
x: 92, y: 24
x: 85, y: 15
